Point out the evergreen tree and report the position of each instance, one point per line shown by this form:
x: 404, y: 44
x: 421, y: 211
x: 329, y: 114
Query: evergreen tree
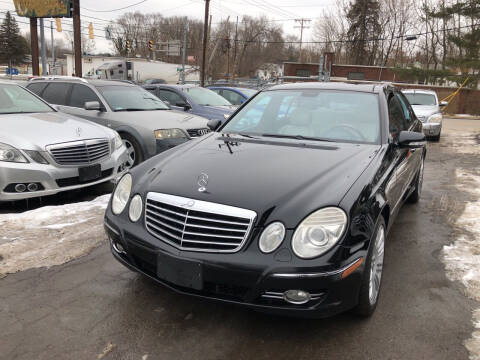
x: 14, y: 46
x: 364, y: 28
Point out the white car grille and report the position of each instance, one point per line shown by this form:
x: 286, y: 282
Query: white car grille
x: 80, y: 152
x: 196, y: 225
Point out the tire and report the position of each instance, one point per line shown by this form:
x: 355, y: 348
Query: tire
x: 134, y: 150
x: 372, y: 274
x: 435, y: 138
x: 416, y: 194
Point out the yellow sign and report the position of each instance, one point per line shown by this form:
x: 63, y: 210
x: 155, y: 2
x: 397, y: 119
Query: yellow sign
x: 43, y: 8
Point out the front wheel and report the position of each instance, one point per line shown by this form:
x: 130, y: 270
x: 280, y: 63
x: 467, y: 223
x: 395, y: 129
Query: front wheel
x: 372, y: 275
x: 415, y: 196
x: 134, y: 151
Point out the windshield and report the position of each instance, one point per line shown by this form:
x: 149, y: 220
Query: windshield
x: 14, y: 100
x: 323, y: 115
x: 203, y: 96
x: 420, y: 99
x: 131, y: 98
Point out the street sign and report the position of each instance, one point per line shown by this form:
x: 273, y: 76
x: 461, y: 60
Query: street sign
x: 171, y: 48
x: 11, y: 71
x: 43, y: 8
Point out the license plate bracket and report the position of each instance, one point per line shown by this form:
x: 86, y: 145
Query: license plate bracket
x: 90, y: 173
x: 181, y: 272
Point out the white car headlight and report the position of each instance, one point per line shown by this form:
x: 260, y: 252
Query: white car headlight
x: 271, y: 237
x: 318, y: 232
x: 117, y: 142
x: 10, y: 154
x: 435, y: 118
x: 170, y: 134
x: 121, y: 194
x: 136, y: 208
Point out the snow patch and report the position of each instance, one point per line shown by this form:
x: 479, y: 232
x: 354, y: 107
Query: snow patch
x: 51, y: 235
x: 462, y: 258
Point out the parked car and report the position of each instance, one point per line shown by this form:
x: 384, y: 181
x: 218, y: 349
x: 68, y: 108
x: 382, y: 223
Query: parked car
x: 146, y: 124
x: 235, y: 95
x: 427, y: 108
x: 194, y: 99
x: 154, y: 81
x: 43, y: 151
x: 286, y: 214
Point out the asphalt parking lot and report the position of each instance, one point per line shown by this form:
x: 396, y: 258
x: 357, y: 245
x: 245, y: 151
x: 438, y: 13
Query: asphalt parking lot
x: 93, y: 308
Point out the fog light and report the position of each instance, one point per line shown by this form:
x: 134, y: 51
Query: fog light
x: 20, y: 187
x: 118, y: 247
x: 296, y: 296
x: 32, y: 187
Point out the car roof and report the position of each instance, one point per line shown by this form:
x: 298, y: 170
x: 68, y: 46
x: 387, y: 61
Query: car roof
x: 424, y: 91
x: 236, y: 88
x: 171, y: 86
x: 96, y: 83
x: 342, y: 86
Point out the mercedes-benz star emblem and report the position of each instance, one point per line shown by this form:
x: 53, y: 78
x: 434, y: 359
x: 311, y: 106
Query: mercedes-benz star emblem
x: 202, y: 182
x: 79, y: 132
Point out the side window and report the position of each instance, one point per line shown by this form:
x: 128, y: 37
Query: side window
x: 397, y: 121
x: 233, y: 97
x: 170, y: 96
x: 406, y: 109
x: 56, y: 93
x: 36, y: 88
x: 81, y: 94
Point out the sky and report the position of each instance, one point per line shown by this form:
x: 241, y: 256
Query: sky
x: 282, y: 10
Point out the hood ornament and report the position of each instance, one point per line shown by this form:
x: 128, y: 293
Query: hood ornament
x: 202, y: 182
x: 78, y: 131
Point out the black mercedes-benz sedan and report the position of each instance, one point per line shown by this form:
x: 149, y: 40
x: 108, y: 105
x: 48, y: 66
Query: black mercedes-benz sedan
x: 285, y: 208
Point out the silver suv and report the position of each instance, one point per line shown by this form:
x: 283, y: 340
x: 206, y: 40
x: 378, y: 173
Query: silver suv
x: 427, y: 108
x: 146, y: 124
x: 43, y: 152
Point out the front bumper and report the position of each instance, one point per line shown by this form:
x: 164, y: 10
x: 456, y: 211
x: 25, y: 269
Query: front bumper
x: 53, y: 178
x: 239, y: 278
x: 432, y: 129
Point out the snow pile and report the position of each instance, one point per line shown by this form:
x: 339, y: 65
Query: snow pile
x: 462, y: 258
x: 51, y: 235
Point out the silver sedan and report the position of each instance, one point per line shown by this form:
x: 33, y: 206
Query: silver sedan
x: 43, y: 152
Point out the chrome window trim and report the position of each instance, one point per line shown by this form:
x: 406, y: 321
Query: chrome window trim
x: 203, y: 206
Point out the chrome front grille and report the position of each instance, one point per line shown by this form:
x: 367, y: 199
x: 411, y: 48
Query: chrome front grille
x: 198, y: 132
x: 80, y: 152
x: 197, y: 225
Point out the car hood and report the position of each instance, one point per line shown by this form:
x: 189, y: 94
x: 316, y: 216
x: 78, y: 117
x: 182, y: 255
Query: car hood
x: 161, y: 119
x: 37, y: 130
x: 425, y: 110
x: 286, y: 179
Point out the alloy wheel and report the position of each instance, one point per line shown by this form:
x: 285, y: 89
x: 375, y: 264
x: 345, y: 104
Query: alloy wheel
x: 130, y: 153
x: 376, y: 266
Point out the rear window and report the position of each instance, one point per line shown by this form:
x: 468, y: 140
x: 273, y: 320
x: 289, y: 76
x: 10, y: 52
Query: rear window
x: 56, y: 93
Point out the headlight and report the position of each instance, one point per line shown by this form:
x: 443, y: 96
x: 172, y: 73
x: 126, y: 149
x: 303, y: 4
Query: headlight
x: 116, y: 142
x: 271, y: 237
x: 435, y: 118
x: 170, y: 134
x: 121, y: 194
x: 319, y: 232
x: 10, y: 154
x: 135, y: 209
x: 36, y: 156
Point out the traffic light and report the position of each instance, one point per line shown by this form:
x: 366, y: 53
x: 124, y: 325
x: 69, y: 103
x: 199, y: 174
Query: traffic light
x: 128, y: 46
x: 59, y: 24
x: 90, y: 31
x: 150, y: 45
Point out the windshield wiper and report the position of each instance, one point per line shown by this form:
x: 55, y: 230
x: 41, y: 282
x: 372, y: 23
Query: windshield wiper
x: 298, y: 137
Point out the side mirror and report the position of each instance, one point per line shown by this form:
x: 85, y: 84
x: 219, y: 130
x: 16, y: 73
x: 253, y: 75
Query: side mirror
x: 443, y: 103
x: 411, y: 139
x: 185, y: 106
x: 213, y: 124
x: 92, y: 105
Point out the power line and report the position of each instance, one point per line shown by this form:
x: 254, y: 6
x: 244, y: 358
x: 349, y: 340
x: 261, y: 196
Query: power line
x: 122, y: 8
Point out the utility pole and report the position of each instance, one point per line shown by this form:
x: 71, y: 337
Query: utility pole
x: 204, y: 51
x: 235, y: 51
x: 54, y: 69
x: 184, y: 53
x: 34, y: 37
x: 77, y: 38
x: 44, y: 49
x: 302, y: 26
